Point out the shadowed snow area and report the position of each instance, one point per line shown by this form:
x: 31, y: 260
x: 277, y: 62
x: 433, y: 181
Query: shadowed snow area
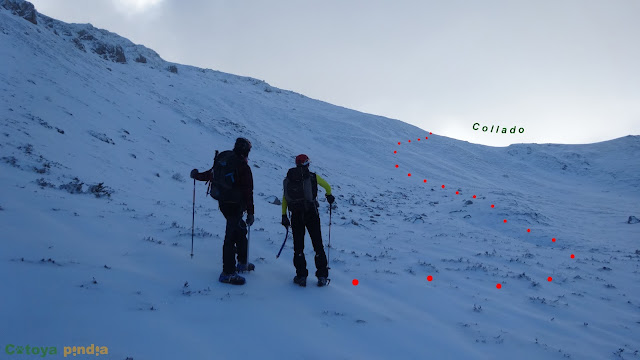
x: 97, y: 139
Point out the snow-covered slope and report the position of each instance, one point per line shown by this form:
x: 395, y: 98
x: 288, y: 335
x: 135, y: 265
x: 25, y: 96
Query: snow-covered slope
x: 109, y: 265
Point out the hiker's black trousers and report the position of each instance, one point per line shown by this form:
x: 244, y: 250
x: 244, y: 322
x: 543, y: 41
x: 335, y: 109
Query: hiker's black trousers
x: 235, y: 237
x: 311, y: 220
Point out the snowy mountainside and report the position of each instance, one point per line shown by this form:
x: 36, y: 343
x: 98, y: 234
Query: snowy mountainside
x: 95, y: 212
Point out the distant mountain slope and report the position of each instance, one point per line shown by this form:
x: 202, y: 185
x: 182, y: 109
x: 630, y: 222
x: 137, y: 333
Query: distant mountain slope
x: 98, y: 138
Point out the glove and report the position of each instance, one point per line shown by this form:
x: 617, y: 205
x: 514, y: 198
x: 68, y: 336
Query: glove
x: 330, y: 198
x: 285, y: 221
x: 249, y: 219
x: 193, y: 174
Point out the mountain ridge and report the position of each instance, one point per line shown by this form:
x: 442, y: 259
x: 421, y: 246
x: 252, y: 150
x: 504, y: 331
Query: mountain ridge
x: 96, y: 206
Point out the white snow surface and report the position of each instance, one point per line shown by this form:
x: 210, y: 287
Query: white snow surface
x: 77, y: 269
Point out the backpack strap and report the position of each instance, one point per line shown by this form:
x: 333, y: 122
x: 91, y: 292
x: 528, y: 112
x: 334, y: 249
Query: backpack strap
x: 211, y: 170
x: 314, y: 186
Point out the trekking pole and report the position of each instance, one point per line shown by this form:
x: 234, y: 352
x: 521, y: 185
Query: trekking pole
x: 329, y: 250
x: 193, y: 216
x: 248, y: 241
x: 285, y: 241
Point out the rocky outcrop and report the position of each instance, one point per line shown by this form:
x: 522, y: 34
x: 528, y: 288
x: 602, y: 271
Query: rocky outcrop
x: 141, y: 59
x: 79, y: 44
x: 21, y: 8
x: 88, y: 39
x: 110, y: 52
x: 84, y: 35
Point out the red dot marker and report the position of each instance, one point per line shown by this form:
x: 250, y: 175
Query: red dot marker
x: 429, y: 278
x: 425, y: 180
x: 554, y: 239
x: 457, y: 193
x: 505, y: 220
x: 572, y: 256
x: 355, y: 282
x: 426, y: 137
x: 409, y: 174
x: 492, y: 206
x: 409, y: 140
x: 430, y: 133
x: 549, y: 279
x: 398, y: 142
x: 396, y: 166
x: 499, y: 286
x: 395, y: 152
x: 418, y: 139
x: 528, y: 230
x: 474, y: 196
x: 443, y: 186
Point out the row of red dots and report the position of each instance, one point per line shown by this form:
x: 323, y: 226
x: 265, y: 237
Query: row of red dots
x: 430, y: 278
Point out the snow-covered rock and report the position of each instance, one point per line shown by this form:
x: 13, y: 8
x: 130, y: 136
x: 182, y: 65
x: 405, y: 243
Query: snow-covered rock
x: 96, y: 147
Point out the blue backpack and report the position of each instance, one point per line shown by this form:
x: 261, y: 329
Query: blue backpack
x: 224, y: 178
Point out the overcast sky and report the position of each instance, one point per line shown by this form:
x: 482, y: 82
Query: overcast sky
x: 566, y: 71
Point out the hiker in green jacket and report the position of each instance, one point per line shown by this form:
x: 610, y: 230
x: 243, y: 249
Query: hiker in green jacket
x: 300, y: 197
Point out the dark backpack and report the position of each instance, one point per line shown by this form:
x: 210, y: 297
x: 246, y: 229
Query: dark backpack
x: 300, y: 189
x: 225, y: 175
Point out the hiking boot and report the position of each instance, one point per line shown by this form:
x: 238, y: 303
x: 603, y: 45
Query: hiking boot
x: 245, y: 267
x: 323, y: 281
x: 233, y: 278
x: 300, y: 280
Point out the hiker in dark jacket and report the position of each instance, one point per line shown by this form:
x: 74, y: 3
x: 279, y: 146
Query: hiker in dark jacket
x: 300, y: 196
x: 241, y: 200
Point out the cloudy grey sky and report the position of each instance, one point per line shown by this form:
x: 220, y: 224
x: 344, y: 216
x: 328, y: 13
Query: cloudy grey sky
x: 566, y: 71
